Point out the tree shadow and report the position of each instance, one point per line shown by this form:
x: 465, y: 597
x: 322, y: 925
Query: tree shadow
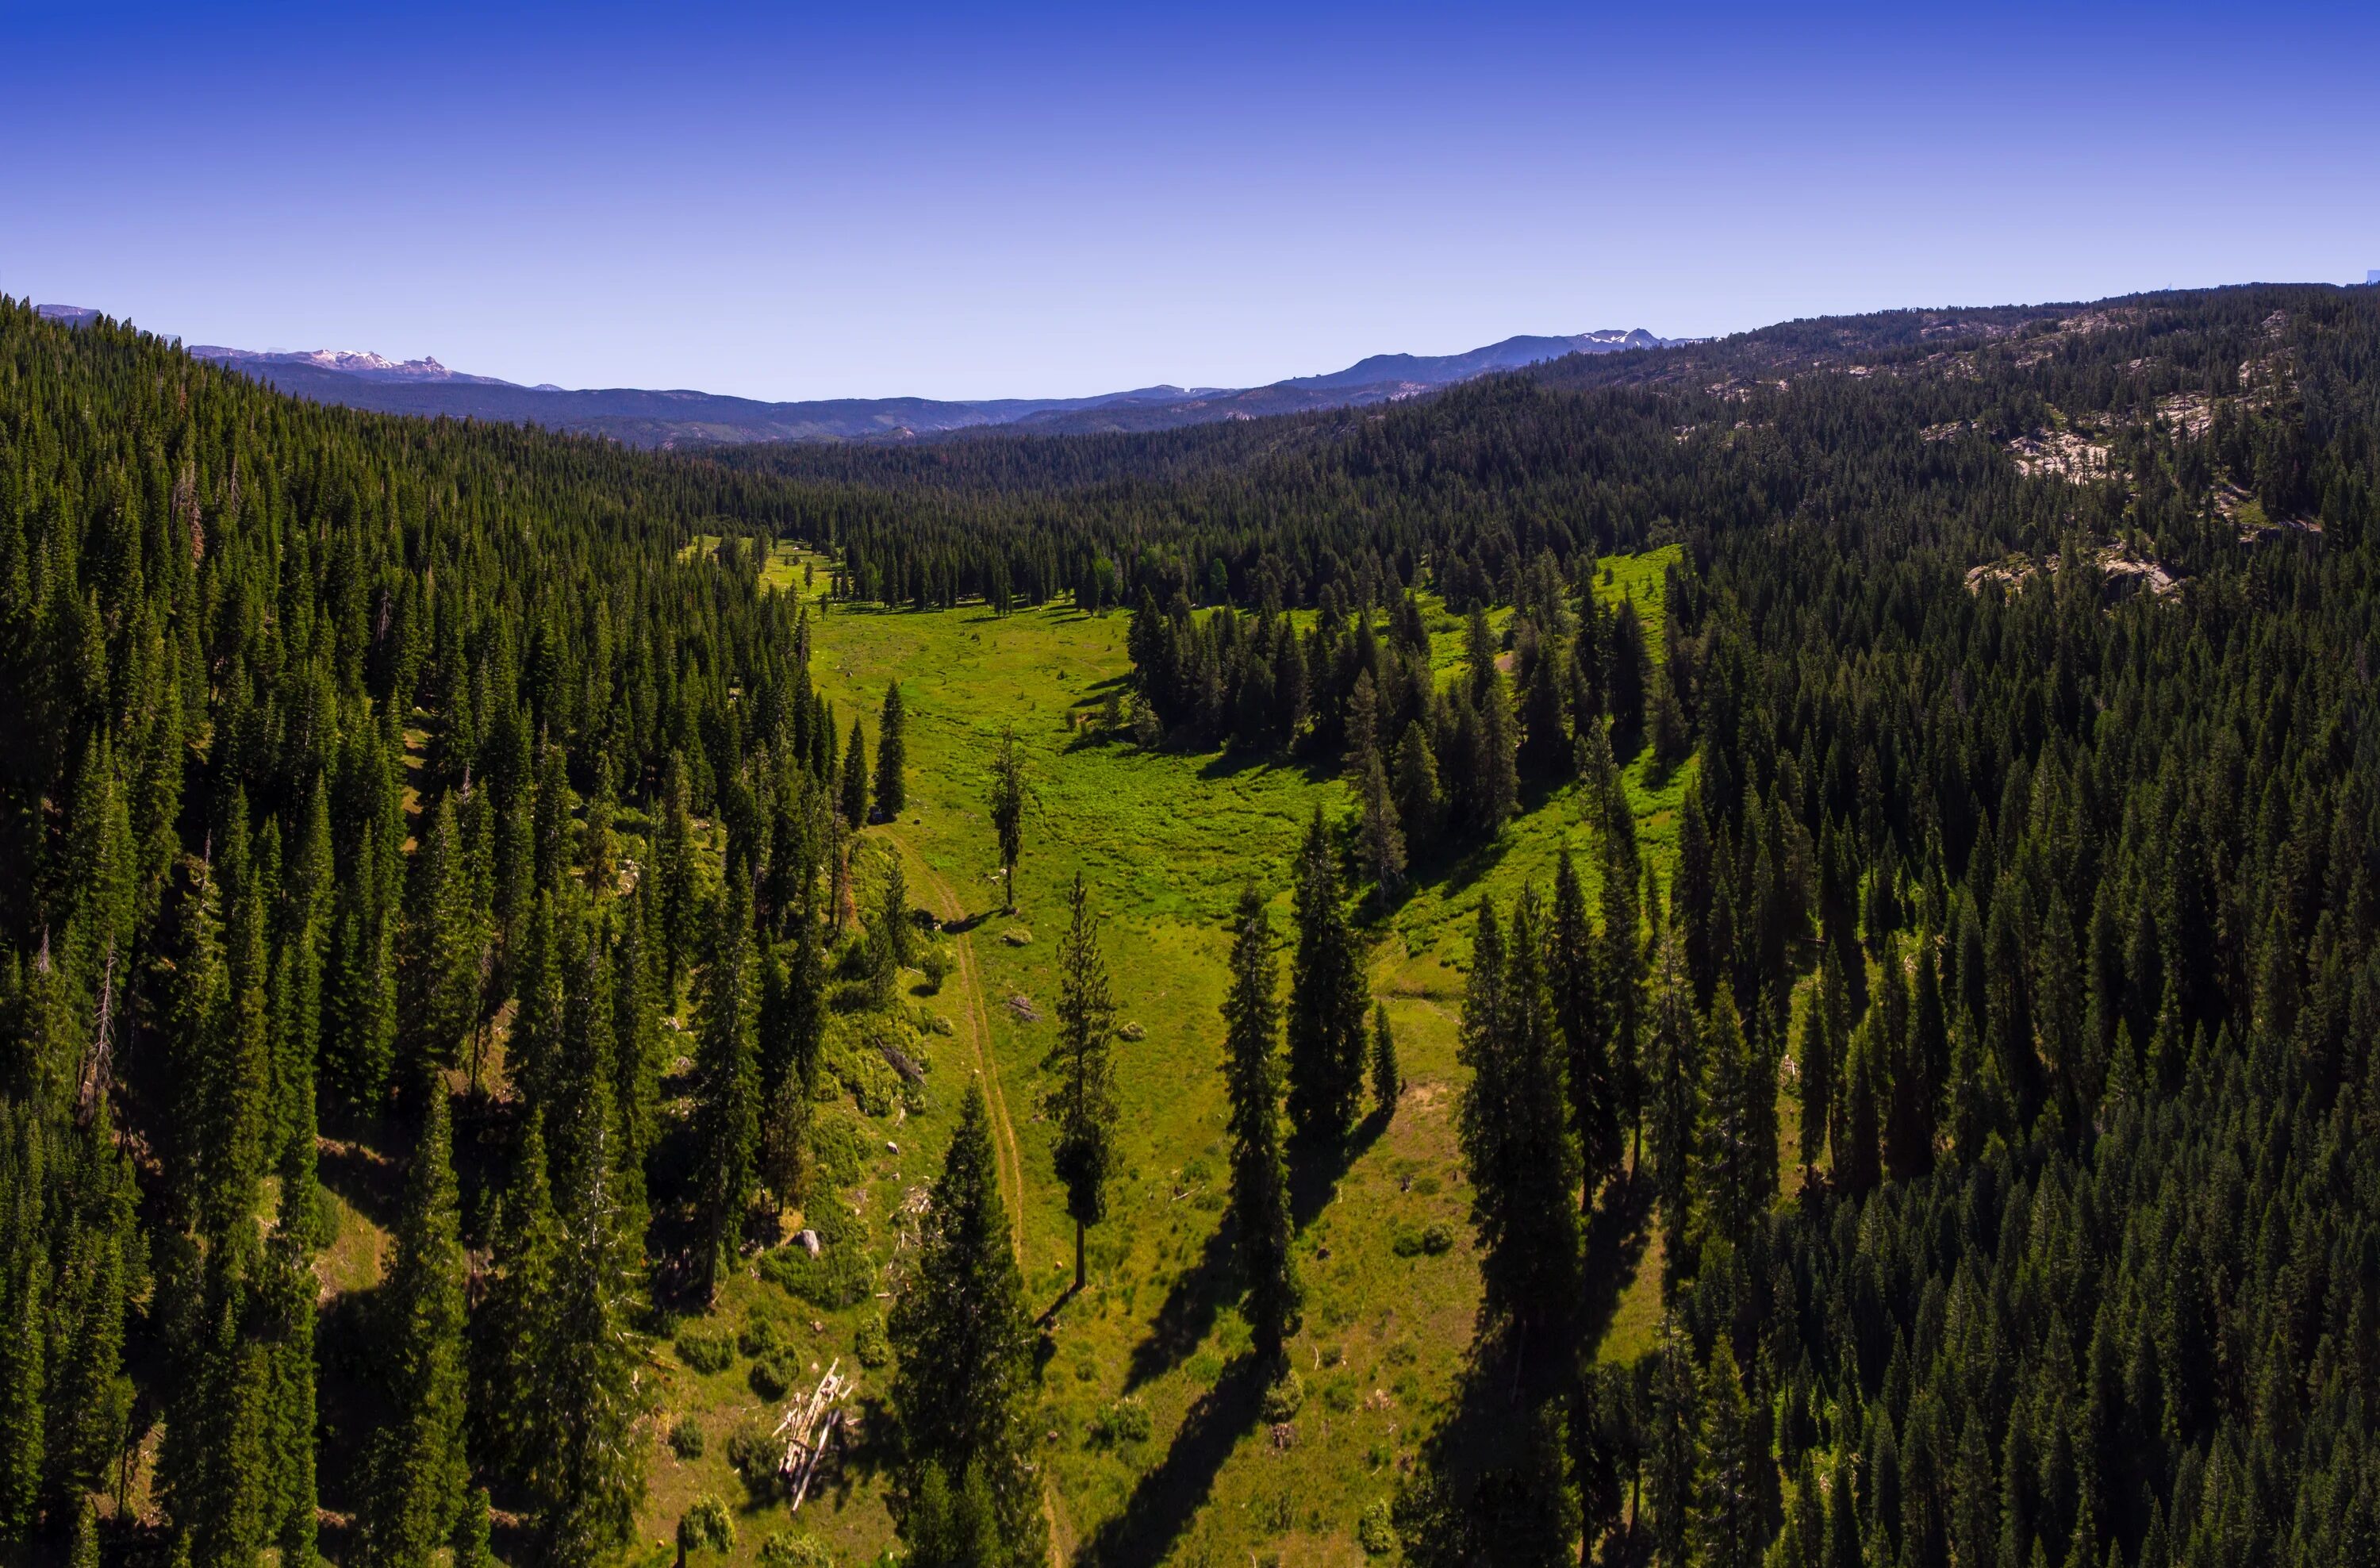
x: 1617, y: 1235
x: 1168, y: 1496
x: 1189, y: 1309
x: 1314, y: 1168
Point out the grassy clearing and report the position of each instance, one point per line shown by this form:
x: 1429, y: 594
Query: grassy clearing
x: 1155, y: 1448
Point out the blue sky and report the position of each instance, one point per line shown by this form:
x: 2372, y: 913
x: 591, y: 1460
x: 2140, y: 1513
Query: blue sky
x: 792, y: 201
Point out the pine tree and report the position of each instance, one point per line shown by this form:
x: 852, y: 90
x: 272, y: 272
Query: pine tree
x: 1419, y: 805
x: 438, y: 964
x: 1673, y: 1052
x: 1260, y: 1178
x: 1514, y: 1126
x: 728, y: 1112
x: 961, y: 1384
x: 417, y: 1469
x: 1496, y: 790
x: 1728, y: 1527
x: 853, y: 800
x: 1814, y: 1064
x: 1571, y: 973
x: 1384, y: 839
x: 1388, y: 1083
x: 589, y: 1483
x: 1082, y: 1100
x: 891, y: 758
x: 1328, y: 1001
x: 674, y: 875
x: 1735, y: 1175
x: 512, y: 1418
x: 1007, y: 802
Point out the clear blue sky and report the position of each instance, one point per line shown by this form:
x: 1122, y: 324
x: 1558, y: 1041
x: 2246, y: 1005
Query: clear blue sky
x: 792, y: 201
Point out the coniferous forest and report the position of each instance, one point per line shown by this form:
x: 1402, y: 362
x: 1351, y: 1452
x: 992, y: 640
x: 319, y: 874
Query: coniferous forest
x: 441, y: 834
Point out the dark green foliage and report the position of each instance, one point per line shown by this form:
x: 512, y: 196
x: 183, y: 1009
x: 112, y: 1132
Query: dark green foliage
x: 1329, y: 1001
x: 962, y: 1386
x: 1388, y: 1080
x: 1007, y: 802
x: 415, y: 1492
x: 1259, y: 1176
x: 727, y: 1109
x: 1082, y: 1098
x: 891, y: 758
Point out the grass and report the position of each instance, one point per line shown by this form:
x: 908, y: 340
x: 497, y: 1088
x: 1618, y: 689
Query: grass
x: 1165, y: 840
x: 1150, y: 1431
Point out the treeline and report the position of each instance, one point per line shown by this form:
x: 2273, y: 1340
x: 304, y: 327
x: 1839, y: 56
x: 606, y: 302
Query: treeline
x: 370, y: 784
x: 2053, y: 918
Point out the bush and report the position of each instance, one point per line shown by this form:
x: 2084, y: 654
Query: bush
x: 936, y: 964
x: 840, y: 1275
x: 874, y: 1347
x: 786, y: 1550
x: 760, y: 1337
x: 704, y: 1351
x: 706, y: 1526
x: 1125, y: 1420
x: 1430, y: 1240
x: 838, y: 1153
x: 685, y: 1438
x: 755, y: 1455
x: 1375, y: 1531
x: 771, y: 1376
x: 1285, y: 1397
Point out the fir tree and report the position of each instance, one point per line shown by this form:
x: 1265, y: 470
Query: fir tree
x: 1384, y: 839
x: 1571, y: 975
x: 852, y: 799
x: 1328, y: 1001
x: 673, y: 876
x: 513, y: 1415
x: 417, y: 1469
x: 1418, y: 802
x: 726, y: 1103
x: 961, y: 1384
x: 1260, y: 1178
x: 891, y: 758
x: 1007, y: 801
x: 1673, y: 1051
x: 1388, y: 1084
x: 1082, y: 1100
x: 1515, y: 1132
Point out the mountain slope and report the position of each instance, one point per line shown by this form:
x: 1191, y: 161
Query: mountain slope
x: 638, y: 417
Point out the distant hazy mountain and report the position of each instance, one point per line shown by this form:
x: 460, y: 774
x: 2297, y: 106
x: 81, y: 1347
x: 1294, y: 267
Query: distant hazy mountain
x: 682, y: 418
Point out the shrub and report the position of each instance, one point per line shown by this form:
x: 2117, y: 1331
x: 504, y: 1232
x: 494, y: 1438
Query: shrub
x: 874, y: 1347
x: 786, y: 1550
x: 936, y: 964
x: 1375, y: 1531
x: 771, y: 1376
x: 685, y: 1438
x: 840, y: 1274
x: 1125, y: 1420
x: 760, y: 1337
x: 706, y: 1526
x: 1285, y: 1397
x: 704, y: 1351
x: 755, y: 1455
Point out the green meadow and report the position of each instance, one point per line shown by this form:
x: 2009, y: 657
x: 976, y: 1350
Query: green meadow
x: 1156, y: 1447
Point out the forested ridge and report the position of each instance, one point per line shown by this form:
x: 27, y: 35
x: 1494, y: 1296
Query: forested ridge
x: 1994, y: 1057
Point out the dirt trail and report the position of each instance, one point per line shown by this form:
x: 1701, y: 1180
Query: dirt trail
x: 979, y: 1026
x: 1012, y: 1168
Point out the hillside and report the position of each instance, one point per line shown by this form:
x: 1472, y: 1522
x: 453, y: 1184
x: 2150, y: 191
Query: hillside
x: 1862, y: 834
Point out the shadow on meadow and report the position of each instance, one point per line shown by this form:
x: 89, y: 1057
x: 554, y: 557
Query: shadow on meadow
x: 1169, y: 1495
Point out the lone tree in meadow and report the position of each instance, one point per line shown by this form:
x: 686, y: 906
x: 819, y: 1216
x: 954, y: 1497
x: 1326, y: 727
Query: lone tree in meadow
x: 891, y: 758
x: 962, y: 1379
x: 854, y: 803
x: 1008, y: 812
x: 1259, y: 1178
x: 1082, y: 1102
x: 1328, y: 1001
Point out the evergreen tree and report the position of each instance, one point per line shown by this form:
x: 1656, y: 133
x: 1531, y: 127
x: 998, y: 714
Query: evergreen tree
x: 1082, y: 1102
x: 1328, y: 1001
x: 961, y: 1383
x: 727, y: 1112
x: 1515, y: 1132
x: 512, y: 1411
x: 1388, y: 1083
x: 1007, y: 802
x: 1384, y: 839
x: 891, y: 758
x: 1419, y: 805
x: 673, y: 876
x: 1572, y: 973
x: 1673, y: 1051
x: 1260, y: 1178
x: 853, y: 799
x: 1734, y: 1173
x: 438, y: 962
x: 417, y: 1469
x: 1728, y: 1529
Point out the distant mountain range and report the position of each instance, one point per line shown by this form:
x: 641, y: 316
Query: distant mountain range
x: 638, y: 418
